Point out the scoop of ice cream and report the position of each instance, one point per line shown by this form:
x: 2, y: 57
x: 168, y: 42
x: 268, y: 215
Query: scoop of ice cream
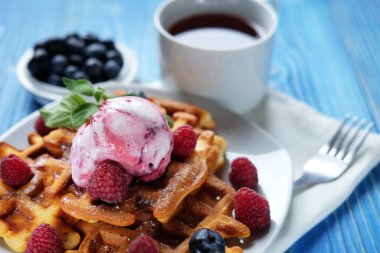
x: 129, y: 130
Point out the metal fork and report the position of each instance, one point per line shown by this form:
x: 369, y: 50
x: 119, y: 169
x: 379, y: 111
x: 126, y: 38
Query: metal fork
x: 336, y: 155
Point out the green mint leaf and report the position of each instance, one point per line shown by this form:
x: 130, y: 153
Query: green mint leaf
x: 101, y: 96
x: 170, y: 120
x: 98, y: 94
x: 60, y: 115
x: 108, y: 96
x: 71, y: 102
x: 56, y: 118
x: 80, y: 86
x: 83, y: 113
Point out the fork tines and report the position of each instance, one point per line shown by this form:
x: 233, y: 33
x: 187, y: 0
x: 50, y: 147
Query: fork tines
x: 347, y: 140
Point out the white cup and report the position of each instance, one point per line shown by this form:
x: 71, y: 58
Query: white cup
x: 235, y: 77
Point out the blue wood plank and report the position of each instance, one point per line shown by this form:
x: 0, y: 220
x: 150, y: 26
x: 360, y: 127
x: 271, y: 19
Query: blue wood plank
x: 331, y: 74
x: 315, y: 62
x: 342, y: 66
x: 358, y: 25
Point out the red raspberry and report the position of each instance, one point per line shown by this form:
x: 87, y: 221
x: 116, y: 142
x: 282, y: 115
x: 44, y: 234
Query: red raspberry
x: 185, y: 140
x: 143, y: 244
x: 108, y: 182
x: 14, y: 171
x: 252, y: 209
x: 41, y: 127
x: 44, y: 239
x: 243, y: 173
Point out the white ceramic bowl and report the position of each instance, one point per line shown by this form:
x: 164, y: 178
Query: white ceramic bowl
x: 45, y: 92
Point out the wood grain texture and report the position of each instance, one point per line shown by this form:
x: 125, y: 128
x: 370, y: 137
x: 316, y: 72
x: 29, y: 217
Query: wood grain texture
x: 327, y: 54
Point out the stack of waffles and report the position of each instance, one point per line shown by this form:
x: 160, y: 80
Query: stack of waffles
x: 188, y: 197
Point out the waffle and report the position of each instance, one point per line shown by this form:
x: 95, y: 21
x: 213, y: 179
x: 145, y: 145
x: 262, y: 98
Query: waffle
x: 188, y: 197
x: 209, y: 208
x: 184, y: 113
x: 36, y: 202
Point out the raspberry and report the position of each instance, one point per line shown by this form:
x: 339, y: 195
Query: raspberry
x: 185, y: 140
x: 143, y: 244
x: 109, y: 182
x: 41, y: 127
x: 44, y: 239
x: 243, y: 173
x: 252, y: 209
x: 14, y: 171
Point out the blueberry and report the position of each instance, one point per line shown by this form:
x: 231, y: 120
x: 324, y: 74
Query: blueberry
x: 41, y: 55
x: 76, y: 59
x: 79, y: 75
x: 109, y: 44
x: 111, y: 69
x: 38, y: 69
x: 75, y: 45
x: 72, y: 35
x: 114, y: 55
x: 90, y: 38
x: 96, y: 50
x: 58, y: 63
x: 141, y: 94
x: 55, y: 46
x: 138, y: 93
x: 39, y: 45
x: 39, y: 64
x: 69, y: 71
x: 206, y: 240
x: 93, y: 67
x: 98, y: 79
x: 55, y: 79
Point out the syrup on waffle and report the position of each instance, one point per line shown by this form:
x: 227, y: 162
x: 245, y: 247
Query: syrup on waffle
x: 209, y: 208
x: 170, y: 209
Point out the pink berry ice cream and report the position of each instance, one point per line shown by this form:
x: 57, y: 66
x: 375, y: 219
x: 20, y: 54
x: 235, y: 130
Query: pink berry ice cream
x: 129, y: 130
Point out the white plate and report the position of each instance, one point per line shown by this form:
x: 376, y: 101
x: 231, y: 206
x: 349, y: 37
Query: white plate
x: 244, y: 139
x: 45, y: 92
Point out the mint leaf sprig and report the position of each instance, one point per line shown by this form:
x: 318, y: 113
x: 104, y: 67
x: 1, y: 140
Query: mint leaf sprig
x: 170, y: 120
x: 74, y: 110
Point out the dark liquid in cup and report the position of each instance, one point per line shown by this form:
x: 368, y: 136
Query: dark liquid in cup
x: 214, y: 30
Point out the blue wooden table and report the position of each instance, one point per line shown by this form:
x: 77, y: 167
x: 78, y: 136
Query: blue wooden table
x: 326, y: 53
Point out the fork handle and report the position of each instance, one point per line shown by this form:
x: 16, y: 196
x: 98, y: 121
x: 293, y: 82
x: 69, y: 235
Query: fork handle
x: 304, y: 181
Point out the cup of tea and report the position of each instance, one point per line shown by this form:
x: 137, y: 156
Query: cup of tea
x: 218, y: 49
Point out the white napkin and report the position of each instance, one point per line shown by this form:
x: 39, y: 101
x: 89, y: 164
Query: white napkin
x: 302, y: 130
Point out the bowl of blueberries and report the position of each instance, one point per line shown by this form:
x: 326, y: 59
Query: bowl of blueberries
x: 102, y: 61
